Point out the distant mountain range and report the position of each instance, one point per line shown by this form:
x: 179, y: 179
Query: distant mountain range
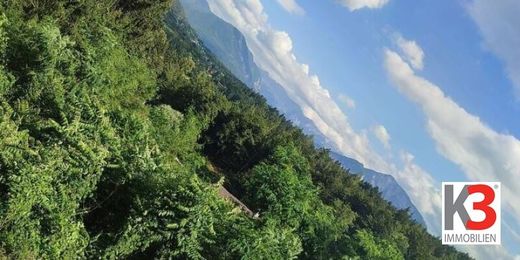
x: 230, y: 47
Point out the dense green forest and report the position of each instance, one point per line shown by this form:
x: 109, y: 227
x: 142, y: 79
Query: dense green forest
x: 117, y: 130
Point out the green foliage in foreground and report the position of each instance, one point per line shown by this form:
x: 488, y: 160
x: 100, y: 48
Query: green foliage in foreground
x: 117, y: 129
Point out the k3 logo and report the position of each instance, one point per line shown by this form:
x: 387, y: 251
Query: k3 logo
x: 471, y: 213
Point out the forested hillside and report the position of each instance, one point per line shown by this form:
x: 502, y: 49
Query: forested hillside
x: 117, y: 129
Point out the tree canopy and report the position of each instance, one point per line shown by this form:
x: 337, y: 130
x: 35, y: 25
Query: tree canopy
x: 117, y: 129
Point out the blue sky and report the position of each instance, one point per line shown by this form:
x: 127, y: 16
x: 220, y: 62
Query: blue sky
x: 345, y: 50
x: 427, y: 91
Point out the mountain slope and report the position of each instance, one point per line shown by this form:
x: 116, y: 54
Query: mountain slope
x: 225, y: 41
x: 388, y: 186
x: 230, y: 47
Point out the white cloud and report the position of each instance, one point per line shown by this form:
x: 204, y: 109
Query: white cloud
x: 382, y: 135
x: 499, y: 25
x: 291, y: 6
x: 353, y: 5
x: 423, y: 191
x: 482, y: 153
x: 412, y: 52
x: 272, y: 52
x: 348, y: 101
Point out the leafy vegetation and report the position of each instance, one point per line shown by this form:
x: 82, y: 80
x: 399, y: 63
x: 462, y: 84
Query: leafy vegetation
x: 117, y: 129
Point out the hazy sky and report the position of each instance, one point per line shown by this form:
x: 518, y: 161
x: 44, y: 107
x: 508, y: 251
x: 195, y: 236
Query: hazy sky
x: 427, y: 91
